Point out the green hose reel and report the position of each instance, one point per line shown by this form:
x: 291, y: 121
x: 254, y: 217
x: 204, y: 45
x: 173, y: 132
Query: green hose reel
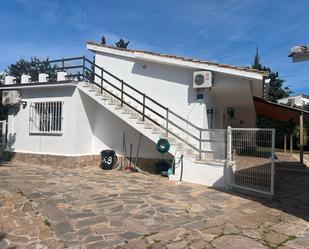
x: 163, y: 145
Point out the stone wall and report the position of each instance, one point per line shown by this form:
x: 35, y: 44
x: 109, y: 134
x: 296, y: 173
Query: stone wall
x: 144, y: 164
x: 54, y: 160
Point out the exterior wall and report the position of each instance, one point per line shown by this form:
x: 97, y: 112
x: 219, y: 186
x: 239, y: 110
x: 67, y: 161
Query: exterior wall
x: 19, y: 138
x: 172, y: 87
x: 88, y: 127
x: 298, y: 100
x: 108, y: 131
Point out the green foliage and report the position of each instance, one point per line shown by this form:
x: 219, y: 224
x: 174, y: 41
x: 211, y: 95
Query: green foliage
x: 103, y: 40
x: 276, y: 89
x: 122, y: 43
x: 32, y: 68
x: 282, y: 128
x: 296, y: 133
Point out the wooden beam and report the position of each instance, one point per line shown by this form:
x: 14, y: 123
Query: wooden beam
x: 301, y: 138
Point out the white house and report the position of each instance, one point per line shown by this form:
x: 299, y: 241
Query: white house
x: 298, y: 100
x: 128, y: 94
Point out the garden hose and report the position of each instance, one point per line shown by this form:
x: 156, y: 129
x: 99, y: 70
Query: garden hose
x: 163, y: 145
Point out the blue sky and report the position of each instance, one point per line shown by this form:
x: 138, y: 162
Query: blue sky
x: 226, y: 31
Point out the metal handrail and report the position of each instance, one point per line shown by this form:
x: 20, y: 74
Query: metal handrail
x: 145, y: 98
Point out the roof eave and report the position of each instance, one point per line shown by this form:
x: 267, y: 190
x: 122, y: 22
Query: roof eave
x: 176, y: 62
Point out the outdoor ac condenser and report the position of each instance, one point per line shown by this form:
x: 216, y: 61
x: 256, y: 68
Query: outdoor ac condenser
x: 9, y: 80
x: 61, y: 76
x: 202, y: 79
x: 25, y: 79
x: 43, y: 77
x: 11, y: 97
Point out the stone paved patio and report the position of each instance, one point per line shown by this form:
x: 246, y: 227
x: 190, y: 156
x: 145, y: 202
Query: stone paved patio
x: 50, y: 207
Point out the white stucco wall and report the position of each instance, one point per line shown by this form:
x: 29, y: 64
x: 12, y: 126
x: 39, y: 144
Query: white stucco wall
x: 88, y: 127
x: 298, y: 100
x: 172, y: 87
x: 18, y: 123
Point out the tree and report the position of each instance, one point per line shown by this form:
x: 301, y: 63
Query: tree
x: 276, y: 89
x: 103, y: 40
x: 32, y: 68
x: 122, y: 43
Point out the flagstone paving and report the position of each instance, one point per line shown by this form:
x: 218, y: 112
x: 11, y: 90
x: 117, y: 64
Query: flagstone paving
x: 58, y: 207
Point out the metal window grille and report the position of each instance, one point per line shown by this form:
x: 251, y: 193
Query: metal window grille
x: 46, y: 117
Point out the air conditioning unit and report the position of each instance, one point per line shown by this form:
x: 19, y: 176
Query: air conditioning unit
x: 61, y: 76
x: 202, y: 79
x: 11, y: 97
x: 9, y: 80
x: 43, y: 77
x: 25, y: 79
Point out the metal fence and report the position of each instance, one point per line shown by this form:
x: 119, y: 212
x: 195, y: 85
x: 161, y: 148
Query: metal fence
x: 251, y: 153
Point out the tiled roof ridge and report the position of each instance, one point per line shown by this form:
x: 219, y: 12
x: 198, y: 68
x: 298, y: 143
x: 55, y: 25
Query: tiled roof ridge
x: 181, y: 58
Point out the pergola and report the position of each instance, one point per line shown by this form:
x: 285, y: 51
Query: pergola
x: 283, y: 113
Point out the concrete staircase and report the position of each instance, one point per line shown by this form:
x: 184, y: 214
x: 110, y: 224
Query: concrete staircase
x: 204, y: 171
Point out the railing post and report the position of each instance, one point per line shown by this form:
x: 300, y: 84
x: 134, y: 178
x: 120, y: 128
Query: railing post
x: 229, y: 167
x: 84, y: 61
x: 166, y: 122
x: 121, y: 93
x: 144, y: 100
x: 101, y: 79
x: 200, y: 146
x: 272, y: 184
x: 62, y: 64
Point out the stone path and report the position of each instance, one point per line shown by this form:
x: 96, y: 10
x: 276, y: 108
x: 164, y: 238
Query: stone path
x: 49, y: 207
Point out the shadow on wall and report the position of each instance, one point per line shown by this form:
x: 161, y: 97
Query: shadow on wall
x: 59, y: 92
x: 11, y: 139
x: 108, y: 133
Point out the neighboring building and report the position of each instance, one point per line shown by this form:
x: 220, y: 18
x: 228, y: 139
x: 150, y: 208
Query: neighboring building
x: 71, y: 120
x: 299, y: 53
x: 300, y: 100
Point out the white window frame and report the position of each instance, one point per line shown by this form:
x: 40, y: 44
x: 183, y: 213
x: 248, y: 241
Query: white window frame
x: 46, y: 117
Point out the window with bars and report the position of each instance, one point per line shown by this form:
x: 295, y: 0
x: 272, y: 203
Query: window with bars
x: 46, y: 117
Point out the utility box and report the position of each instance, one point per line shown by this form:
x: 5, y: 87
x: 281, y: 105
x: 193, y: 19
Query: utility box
x: 43, y: 77
x: 9, y: 80
x: 25, y: 79
x: 61, y: 76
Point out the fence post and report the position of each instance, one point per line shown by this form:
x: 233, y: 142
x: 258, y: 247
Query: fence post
x: 101, y: 79
x: 229, y: 170
x: 166, y: 122
x: 121, y: 93
x: 144, y: 100
x: 200, y: 146
x: 272, y: 184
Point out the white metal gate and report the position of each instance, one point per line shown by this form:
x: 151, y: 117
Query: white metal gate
x: 250, y: 153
